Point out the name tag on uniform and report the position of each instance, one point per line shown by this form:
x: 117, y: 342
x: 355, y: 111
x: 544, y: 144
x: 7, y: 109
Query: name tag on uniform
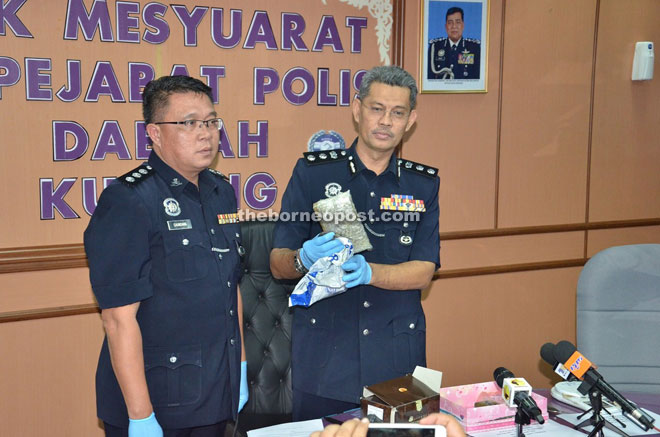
x: 466, y: 58
x: 228, y: 218
x: 175, y: 225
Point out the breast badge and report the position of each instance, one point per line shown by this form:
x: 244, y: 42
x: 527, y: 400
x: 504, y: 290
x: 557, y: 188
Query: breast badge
x: 171, y: 207
x: 405, y: 239
x: 332, y: 189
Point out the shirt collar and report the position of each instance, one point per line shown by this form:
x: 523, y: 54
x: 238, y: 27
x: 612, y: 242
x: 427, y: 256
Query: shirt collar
x: 392, y: 166
x: 452, y: 45
x: 178, y: 183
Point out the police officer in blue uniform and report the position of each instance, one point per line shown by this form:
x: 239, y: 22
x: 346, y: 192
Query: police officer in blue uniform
x: 374, y: 331
x: 164, y: 251
x: 454, y: 57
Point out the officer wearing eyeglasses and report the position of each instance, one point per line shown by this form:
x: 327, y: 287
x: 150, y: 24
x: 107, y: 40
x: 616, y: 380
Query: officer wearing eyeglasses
x: 164, y: 251
x: 376, y: 330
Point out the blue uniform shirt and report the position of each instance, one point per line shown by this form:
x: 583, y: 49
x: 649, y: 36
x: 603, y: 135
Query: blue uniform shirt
x: 463, y: 60
x: 156, y: 239
x: 367, y: 334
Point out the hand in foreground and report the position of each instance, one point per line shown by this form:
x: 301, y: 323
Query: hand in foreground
x: 454, y: 428
x: 147, y: 427
x: 244, y: 393
x: 358, y: 269
x: 350, y: 428
x: 318, y: 247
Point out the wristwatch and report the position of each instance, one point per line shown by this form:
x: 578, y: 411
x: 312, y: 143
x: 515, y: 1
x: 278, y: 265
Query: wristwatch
x: 297, y: 263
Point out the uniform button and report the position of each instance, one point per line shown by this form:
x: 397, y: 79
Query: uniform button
x: 365, y: 332
x: 405, y: 225
x: 228, y: 284
x: 366, y: 304
x: 232, y: 341
x: 231, y: 312
x: 185, y: 242
x: 372, y: 194
x: 371, y: 220
x: 238, y: 235
x: 172, y: 360
x: 219, y: 256
x: 312, y: 321
x: 212, y: 231
x: 411, y: 326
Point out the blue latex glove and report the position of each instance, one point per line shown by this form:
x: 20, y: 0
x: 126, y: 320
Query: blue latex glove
x: 244, y: 392
x: 359, y: 271
x: 147, y: 427
x: 319, y: 247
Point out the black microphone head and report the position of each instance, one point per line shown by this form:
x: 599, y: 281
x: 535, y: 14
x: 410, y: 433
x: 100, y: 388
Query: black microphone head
x: 548, y: 353
x: 500, y: 373
x: 563, y: 351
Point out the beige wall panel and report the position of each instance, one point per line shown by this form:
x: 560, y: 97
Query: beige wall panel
x: 625, y: 153
x: 48, y: 380
x: 458, y: 134
x: 45, y: 289
x: 477, y: 324
x: 517, y: 249
x: 602, y: 239
x: 548, y: 48
x: 289, y: 126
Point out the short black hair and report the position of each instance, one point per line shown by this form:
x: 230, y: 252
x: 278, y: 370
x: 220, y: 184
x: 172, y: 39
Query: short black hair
x: 157, y: 92
x: 452, y: 11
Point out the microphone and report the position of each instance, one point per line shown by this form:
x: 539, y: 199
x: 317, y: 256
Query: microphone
x: 516, y: 392
x: 548, y: 355
x: 565, y: 352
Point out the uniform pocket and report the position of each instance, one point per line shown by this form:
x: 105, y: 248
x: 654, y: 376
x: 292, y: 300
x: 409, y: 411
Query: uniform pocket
x: 174, y: 375
x: 186, y: 256
x: 409, y: 342
x: 312, y: 339
x: 399, y: 238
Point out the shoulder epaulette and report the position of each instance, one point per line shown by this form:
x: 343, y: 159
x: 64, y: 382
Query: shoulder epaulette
x: 476, y: 41
x: 442, y: 39
x: 137, y: 175
x: 416, y: 167
x: 313, y: 158
x: 217, y: 173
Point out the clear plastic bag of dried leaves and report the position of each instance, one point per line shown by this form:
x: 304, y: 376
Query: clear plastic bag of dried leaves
x: 338, y: 214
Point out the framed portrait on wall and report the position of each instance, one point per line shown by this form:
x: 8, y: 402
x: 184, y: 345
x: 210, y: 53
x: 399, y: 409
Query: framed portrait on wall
x: 454, y: 46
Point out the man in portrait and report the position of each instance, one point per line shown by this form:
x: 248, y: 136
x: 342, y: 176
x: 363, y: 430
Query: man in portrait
x: 453, y: 56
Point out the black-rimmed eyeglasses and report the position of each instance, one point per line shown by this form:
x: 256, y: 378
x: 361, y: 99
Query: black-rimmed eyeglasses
x: 191, y: 125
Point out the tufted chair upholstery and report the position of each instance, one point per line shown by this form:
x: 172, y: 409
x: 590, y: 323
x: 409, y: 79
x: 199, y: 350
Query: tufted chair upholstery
x: 266, y: 332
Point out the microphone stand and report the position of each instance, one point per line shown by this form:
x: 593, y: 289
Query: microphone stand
x: 522, y: 418
x: 597, y: 419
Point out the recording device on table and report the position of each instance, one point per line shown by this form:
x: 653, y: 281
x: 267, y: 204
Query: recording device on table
x: 517, y: 393
x: 408, y: 430
x: 564, y: 358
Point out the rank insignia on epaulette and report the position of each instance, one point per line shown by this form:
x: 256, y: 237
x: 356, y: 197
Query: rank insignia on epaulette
x: 313, y: 158
x: 217, y: 173
x: 136, y: 175
x: 228, y: 218
x: 417, y: 168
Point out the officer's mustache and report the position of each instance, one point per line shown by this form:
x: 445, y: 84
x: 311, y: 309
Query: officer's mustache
x: 383, y: 132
